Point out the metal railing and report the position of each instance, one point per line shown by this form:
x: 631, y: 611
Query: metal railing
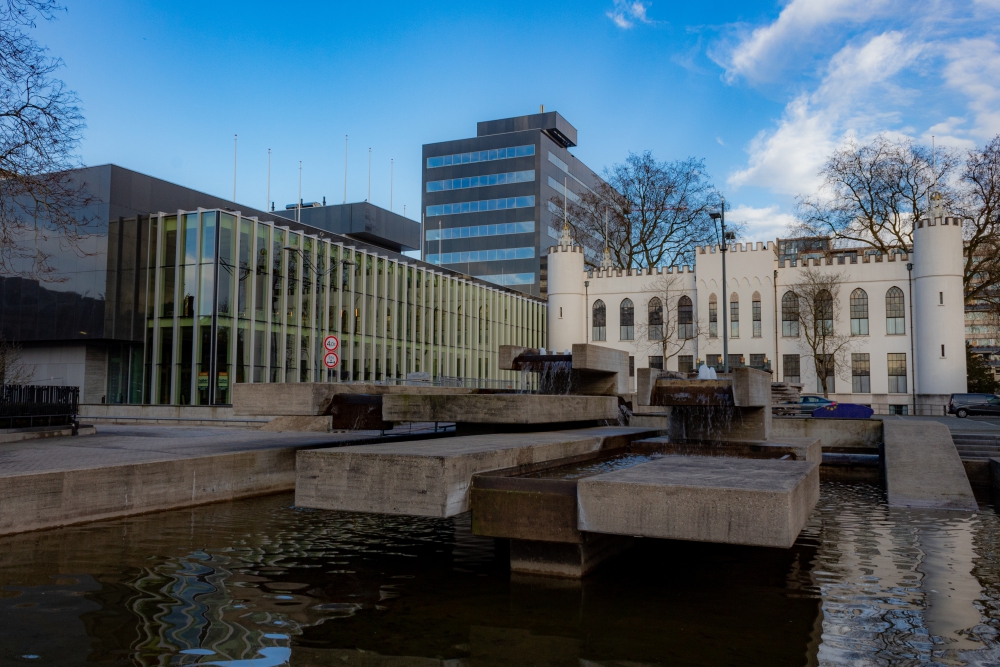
x: 24, y: 406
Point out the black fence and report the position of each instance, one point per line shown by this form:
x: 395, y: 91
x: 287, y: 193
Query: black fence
x: 23, y: 406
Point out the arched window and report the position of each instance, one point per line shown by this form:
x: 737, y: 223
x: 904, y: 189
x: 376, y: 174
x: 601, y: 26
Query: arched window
x: 627, y: 320
x: 859, y: 313
x: 655, y: 319
x: 790, y: 314
x: 824, y: 314
x: 600, y: 321
x: 734, y: 316
x: 895, y: 313
x: 713, y: 316
x: 755, y: 313
x: 685, y: 318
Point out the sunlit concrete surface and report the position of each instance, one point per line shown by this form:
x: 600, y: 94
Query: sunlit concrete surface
x: 132, y: 469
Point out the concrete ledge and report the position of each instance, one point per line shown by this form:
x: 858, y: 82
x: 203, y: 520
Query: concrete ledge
x: 314, y: 398
x: 46, y: 500
x: 799, y: 449
x: 834, y: 433
x: 923, y: 469
x: 433, y: 478
x: 733, y: 501
x: 498, y: 408
x: 19, y: 435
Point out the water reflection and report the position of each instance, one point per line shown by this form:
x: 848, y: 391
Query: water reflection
x: 258, y: 582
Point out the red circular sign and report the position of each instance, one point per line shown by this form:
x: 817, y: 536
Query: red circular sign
x: 331, y: 343
x: 330, y: 359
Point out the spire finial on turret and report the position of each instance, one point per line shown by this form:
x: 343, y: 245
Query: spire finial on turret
x: 566, y: 238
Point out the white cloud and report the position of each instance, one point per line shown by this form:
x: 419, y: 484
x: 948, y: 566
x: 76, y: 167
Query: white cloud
x: 972, y: 69
x: 850, y: 100
x: 625, y: 14
x: 757, y: 54
x: 762, y: 224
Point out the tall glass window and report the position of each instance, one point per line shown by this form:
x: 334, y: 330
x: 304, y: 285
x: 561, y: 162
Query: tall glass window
x: 790, y: 315
x: 755, y: 314
x: 713, y: 316
x: 861, y: 373
x: 734, y: 316
x: 825, y: 363
x: 685, y: 318
x: 897, y: 372
x: 655, y: 314
x: 600, y: 321
x: 859, y: 312
x: 824, y: 314
x: 895, y: 312
x: 790, y: 367
x: 627, y: 320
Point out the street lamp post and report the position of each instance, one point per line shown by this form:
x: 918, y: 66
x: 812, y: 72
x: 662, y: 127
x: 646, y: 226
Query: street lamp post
x: 720, y: 215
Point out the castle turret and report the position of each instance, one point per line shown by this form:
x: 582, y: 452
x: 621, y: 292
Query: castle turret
x: 939, y: 304
x: 567, y: 308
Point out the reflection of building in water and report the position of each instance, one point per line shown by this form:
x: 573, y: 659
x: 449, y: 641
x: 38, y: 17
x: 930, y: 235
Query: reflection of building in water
x: 199, y: 603
x: 900, y: 583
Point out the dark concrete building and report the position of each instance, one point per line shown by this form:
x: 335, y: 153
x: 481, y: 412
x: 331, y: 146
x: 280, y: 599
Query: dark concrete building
x: 85, y: 324
x: 363, y: 221
x: 493, y: 203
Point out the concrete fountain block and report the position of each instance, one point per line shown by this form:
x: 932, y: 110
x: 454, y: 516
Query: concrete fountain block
x: 498, y: 408
x: 434, y: 477
x: 732, y: 501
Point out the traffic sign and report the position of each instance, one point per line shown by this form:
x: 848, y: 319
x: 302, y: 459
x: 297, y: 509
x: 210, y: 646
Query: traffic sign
x: 331, y: 343
x: 330, y: 359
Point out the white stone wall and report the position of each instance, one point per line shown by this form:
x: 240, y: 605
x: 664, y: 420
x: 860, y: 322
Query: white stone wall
x: 753, y: 270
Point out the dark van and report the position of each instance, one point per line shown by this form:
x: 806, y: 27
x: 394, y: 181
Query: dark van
x: 963, y: 405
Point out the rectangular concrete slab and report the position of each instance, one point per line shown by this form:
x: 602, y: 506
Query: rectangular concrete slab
x: 433, y: 479
x: 732, y: 501
x: 313, y: 398
x: 800, y: 449
x: 923, y: 468
x: 498, y: 408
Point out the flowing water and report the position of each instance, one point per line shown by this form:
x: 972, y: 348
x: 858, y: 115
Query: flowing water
x: 258, y: 583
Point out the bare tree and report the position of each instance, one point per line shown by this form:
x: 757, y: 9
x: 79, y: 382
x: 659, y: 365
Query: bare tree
x: 818, y: 294
x: 650, y: 213
x: 978, y: 201
x: 669, y: 322
x: 873, y: 192
x: 12, y: 369
x: 40, y: 130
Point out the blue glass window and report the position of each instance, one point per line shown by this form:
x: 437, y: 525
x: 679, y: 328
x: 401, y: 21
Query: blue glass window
x: 481, y: 181
x: 510, y: 278
x: 481, y: 230
x: 480, y: 156
x: 492, y: 255
x: 481, y: 205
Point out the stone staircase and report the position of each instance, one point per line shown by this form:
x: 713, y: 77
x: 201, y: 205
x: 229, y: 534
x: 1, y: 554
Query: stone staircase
x: 977, y: 445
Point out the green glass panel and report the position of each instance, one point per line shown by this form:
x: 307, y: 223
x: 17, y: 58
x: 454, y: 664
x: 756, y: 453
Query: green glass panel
x: 208, y: 221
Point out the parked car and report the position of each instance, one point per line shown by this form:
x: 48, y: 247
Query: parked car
x: 809, y: 403
x: 963, y: 405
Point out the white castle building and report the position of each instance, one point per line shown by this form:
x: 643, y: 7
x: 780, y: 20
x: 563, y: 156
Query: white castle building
x: 905, y: 314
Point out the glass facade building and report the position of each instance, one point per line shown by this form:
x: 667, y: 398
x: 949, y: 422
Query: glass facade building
x: 238, y: 299
x: 493, y: 204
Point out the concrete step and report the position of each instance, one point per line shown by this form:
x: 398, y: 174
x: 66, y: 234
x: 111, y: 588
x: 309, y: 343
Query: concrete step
x: 923, y: 467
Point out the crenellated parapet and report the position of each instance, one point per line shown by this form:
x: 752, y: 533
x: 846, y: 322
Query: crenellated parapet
x: 759, y: 246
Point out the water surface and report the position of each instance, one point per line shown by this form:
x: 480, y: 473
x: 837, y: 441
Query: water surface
x: 260, y: 583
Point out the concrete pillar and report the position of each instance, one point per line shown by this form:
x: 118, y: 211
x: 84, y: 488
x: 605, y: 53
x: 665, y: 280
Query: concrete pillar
x: 938, y: 304
x: 567, y: 319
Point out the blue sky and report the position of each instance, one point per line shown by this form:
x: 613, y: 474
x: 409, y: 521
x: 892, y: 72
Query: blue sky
x: 761, y: 90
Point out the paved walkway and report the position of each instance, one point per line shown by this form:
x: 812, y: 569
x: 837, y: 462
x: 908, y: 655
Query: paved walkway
x: 116, y: 445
